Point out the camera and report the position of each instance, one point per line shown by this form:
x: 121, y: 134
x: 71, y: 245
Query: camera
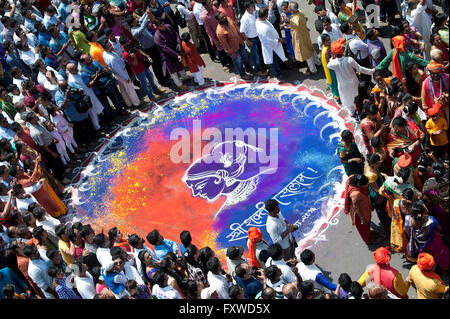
x: 72, y: 90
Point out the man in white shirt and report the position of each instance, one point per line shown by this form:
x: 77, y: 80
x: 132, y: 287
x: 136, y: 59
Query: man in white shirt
x: 248, y: 27
x: 161, y: 289
x: 38, y: 272
x: 234, y: 258
x: 138, y: 244
x: 331, y: 29
x: 271, y: 43
x: 279, y: 230
x: 185, y: 10
x: 198, y: 12
x: 83, y: 280
x: 103, y: 251
x: 117, y: 66
x: 219, y: 283
x: 418, y: 17
x: 276, y: 258
x: 358, y: 48
x: 48, y: 223
x: 322, y: 12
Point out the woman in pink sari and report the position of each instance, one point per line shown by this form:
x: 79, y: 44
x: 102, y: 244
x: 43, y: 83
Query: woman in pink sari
x: 405, y: 137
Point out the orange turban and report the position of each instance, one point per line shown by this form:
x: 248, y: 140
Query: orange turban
x: 382, y: 256
x: 434, y: 67
x: 405, y: 160
x: 433, y: 111
x: 425, y: 262
x: 254, y: 236
x: 399, y: 44
x: 337, y: 47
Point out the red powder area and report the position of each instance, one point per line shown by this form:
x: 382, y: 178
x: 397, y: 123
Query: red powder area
x: 149, y: 193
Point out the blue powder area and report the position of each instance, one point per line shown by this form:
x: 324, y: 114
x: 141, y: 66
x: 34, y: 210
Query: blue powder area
x: 300, y: 149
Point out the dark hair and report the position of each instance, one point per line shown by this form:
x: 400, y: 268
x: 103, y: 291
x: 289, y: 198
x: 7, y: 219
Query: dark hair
x: 164, y: 267
x: 400, y: 121
x: 262, y: 12
x: 188, y: 258
x: 438, y: 170
x: 318, y: 8
x: 240, y: 271
x: 159, y: 278
x: 407, y: 97
x: 344, y: 27
x: 133, y: 240
x: 213, y: 264
x: 392, y: 89
x: 185, y: 36
x: 326, y: 19
x: 99, y: 239
x: 185, y: 238
x: 51, y: 253
x: 38, y: 213
x: 411, y: 108
x: 116, y: 252
x: 376, y: 141
x: 411, y: 84
x: 37, y: 232
x: 370, y: 33
x: 372, y: 158
x: 377, y: 73
x: 205, y: 254
x: 112, y: 234
x: 130, y: 284
x: 8, y: 291
x: 438, y: 20
x: 189, y: 288
x: 416, y: 210
x: 271, y: 204
x: 275, y: 251
x: 307, y: 257
x: 158, y: 22
x: 85, y: 230
x: 358, y: 180
x: 408, y: 194
x: 271, y: 272
x: 345, y: 281
x: 233, y: 291
x: 356, y: 290
x: 52, y: 271
x: 305, y: 288
x: 60, y: 230
x: 346, y: 135
x: 403, y: 173
x: 28, y: 250
x: 153, y: 236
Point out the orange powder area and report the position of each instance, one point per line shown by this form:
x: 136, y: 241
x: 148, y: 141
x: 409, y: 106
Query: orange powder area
x: 148, y: 193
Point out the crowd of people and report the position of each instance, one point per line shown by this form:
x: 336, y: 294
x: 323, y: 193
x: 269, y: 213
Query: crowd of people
x: 70, y: 70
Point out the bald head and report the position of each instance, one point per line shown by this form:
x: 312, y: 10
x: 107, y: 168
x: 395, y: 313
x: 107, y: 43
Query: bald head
x: 293, y: 7
x: 377, y: 292
x: 268, y: 293
x: 290, y: 291
x: 72, y: 68
x: 62, y: 84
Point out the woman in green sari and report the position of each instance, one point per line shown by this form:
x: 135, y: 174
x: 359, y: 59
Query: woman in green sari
x: 350, y: 155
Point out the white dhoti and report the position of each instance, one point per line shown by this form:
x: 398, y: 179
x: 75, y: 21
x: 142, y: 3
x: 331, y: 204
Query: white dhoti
x: 128, y: 92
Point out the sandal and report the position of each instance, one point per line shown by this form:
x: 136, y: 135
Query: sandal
x: 226, y: 69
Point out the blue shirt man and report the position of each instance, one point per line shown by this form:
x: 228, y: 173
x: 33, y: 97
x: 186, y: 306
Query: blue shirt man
x: 70, y: 111
x: 247, y: 281
x: 8, y: 277
x: 161, y: 245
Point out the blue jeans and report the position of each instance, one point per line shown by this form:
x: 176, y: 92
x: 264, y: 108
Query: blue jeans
x: 254, y: 53
x: 241, y: 60
x: 143, y: 77
x: 275, y: 68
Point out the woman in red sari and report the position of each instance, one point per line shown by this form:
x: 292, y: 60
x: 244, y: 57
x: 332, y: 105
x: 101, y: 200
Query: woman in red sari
x: 358, y: 206
x: 371, y: 126
x: 405, y: 137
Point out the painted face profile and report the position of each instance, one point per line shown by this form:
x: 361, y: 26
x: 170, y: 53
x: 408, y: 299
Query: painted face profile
x: 228, y: 170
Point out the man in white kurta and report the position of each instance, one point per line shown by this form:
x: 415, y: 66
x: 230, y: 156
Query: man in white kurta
x: 421, y: 20
x: 345, y: 69
x: 270, y: 42
x: 117, y: 66
x: 74, y: 79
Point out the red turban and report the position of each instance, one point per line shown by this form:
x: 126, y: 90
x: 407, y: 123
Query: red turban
x: 425, y: 262
x: 337, y: 47
x: 254, y: 236
x: 382, y: 256
x: 433, y: 111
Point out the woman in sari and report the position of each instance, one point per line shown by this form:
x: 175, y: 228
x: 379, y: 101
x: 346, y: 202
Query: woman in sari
x: 435, y: 194
x: 423, y: 233
x: 376, y: 179
x: 358, y: 206
x: 117, y: 240
x: 329, y: 74
x: 351, y: 158
x: 400, y: 208
x: 371, y: 126
x: 39, y: 188
x: 405, y: 137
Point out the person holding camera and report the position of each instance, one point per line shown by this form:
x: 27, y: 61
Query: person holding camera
x: 279, y: 230
x: 69, y: 100
x: 104, y: 85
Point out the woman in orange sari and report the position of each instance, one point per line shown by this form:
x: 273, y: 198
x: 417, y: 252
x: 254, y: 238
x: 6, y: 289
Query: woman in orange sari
x: 39, y: 188
x: 117, y: 240
x: 400, y: 209
x: 405, y: 137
